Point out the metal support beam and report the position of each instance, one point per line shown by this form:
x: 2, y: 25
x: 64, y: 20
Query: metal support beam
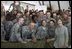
x: 39, y: 3
x: 59, y: 5
x: 70, y: 3
x: 42, y: 2
x: 50, y: 4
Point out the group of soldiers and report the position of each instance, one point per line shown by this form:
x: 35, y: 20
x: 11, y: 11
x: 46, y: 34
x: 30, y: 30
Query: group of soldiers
x: 52, y: 27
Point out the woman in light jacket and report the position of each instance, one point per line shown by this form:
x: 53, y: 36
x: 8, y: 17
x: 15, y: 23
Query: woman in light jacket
x: 61, y: 39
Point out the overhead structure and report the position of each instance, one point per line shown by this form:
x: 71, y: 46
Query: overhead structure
x: 56, y: 5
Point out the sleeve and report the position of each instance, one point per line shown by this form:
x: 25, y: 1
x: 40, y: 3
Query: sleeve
x: 66, y: 36
x: 37, y: 32
x: 17, y: 33
x: 16, y: 29
x: 55, y: 33
x: 47, y: 36
x: 38, y: 29
x: 24, y: 32
x: 3, y: 33
x: 33, y: 33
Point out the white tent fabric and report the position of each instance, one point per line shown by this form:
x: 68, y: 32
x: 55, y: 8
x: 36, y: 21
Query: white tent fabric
x: 54, y: 4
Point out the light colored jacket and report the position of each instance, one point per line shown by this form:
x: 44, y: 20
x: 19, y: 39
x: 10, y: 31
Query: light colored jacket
x: 61, y: 37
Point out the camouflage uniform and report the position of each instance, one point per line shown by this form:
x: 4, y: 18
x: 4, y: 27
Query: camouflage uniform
x: 50, y: 35
x: 14, y: 21
x: 8, y: 25
x: 69, y: 31
x: 41, y: 33
x: 27, y: 21
x: 15, y: 33
x: 3, y: 33
x: 27, y: 33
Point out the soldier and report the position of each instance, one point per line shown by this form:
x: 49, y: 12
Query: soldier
x: 3, y: 33
x: 61, y: 38
x: 68, y: 25
x: 16, y: 6
x: 8, y: 25
x: 41, y: 31
x: 55, y: 15
x: 58, y: 16
x: 13, y: 15
x: 15, y: 31
x: 19, y: 14
x: 51, y: 34
x: 44, y: 17
x: 28, y: 32
x: 48, y: 14
x: 65, y: 19
x: 27, y: 20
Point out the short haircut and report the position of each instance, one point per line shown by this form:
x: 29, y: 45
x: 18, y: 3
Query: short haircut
x: 52, y: 21
x: 42, y: 21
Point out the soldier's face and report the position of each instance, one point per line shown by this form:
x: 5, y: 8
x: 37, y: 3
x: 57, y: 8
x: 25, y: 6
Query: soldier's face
x: 32, y: 25
x: 44, y: 23
x: 15, y: 12
x: 51, y: 23
x: 18, y: 15
x: 41, y: 13
x: 48, y: 14
x: 59, y: 22
x: 21, y: 20
x: 65, y: 16
x: 54, y: 14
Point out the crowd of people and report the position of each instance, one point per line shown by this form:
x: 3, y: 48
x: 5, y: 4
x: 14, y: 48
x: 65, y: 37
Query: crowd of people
x: 33, y: 25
